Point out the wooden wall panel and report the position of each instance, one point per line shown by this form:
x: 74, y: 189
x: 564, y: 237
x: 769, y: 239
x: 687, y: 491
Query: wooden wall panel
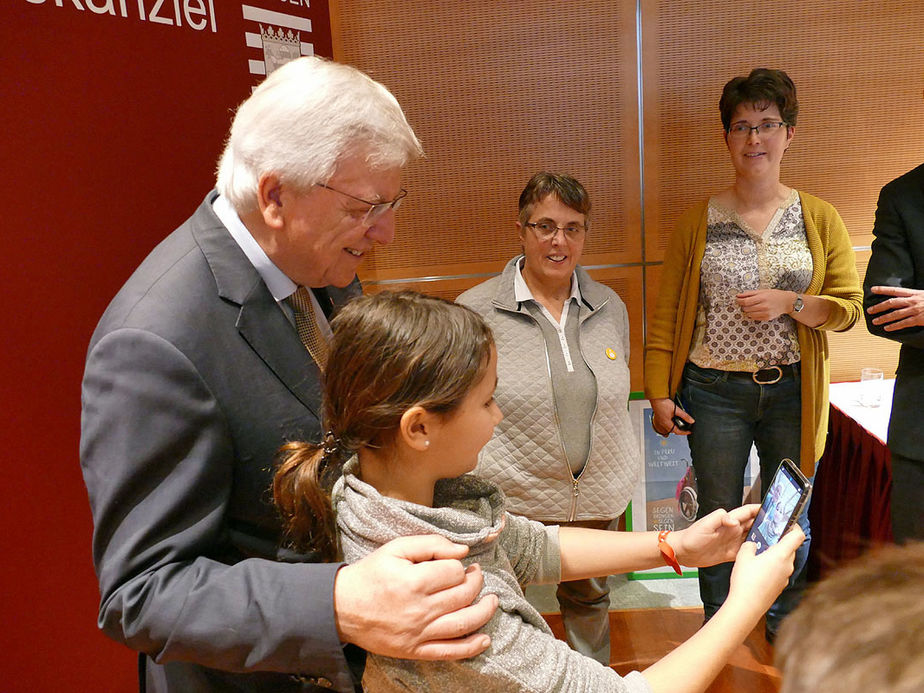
x: 497, y: 91
x: 443, y: 287
x: 859, y: 73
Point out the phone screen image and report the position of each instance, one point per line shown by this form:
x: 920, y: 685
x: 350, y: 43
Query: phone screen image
x: 781, y: 507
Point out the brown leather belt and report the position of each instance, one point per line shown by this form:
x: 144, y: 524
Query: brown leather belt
x: 773, y: 374
x: 769, y: 375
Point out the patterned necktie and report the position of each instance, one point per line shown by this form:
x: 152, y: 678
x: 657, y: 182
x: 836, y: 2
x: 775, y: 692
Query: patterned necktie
x: 307, y: 325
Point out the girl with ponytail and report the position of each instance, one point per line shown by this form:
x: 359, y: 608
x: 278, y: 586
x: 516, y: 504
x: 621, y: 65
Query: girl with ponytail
x: 408, y: 406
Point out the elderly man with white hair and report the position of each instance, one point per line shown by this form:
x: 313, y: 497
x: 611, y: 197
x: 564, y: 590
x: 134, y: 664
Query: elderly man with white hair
x: 209, y: 359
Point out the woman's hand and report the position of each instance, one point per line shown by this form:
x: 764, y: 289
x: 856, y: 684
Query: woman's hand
x: 715, y: 538
x: 769, y: 304
x: 663, y: 410
x: 765, y: 304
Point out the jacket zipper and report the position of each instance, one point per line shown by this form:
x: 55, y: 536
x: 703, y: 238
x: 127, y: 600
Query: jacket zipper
x: 575, y: 480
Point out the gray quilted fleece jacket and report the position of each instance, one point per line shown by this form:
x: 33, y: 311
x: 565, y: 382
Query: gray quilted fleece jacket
x: 526, y: 457
x: 512, y: 551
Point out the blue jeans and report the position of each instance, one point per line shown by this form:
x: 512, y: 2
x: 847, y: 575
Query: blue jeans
x: 732, y: 412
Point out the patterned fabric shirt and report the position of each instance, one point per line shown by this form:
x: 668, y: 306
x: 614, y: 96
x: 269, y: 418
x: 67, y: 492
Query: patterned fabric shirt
x: 737, y: 259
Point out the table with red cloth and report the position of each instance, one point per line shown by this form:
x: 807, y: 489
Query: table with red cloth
x: 850, y: 505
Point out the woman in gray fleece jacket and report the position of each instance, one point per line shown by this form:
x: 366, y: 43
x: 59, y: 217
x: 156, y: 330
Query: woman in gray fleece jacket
x: 408, y: 406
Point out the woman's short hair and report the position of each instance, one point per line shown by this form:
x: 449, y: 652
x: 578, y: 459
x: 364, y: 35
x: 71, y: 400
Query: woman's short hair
x: 566, y: 188
x: 761, y: 89
x: 302, y: 120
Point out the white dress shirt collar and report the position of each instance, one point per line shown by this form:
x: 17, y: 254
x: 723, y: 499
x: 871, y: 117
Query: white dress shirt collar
x: 280, y: 286
x: 522, y: 293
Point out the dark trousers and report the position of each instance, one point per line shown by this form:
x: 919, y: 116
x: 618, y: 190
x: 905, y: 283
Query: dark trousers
x: 907, y: 498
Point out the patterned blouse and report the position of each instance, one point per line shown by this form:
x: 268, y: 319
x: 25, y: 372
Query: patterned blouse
x: 736, y: 259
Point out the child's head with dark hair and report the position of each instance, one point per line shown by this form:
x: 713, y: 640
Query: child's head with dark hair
x: 390, y: 352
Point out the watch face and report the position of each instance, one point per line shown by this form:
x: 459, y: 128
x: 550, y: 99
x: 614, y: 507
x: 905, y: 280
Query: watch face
x: 798, y: 305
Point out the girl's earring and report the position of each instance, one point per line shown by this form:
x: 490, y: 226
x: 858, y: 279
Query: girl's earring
x: 426, y: 443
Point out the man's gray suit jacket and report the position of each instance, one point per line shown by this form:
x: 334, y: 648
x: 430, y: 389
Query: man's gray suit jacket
x: 194, y: 378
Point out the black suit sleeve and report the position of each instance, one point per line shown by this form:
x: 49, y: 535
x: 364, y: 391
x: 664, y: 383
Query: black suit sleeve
x: 892, y: 262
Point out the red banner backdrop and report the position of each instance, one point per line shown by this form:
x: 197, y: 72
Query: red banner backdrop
x: 113, y: 115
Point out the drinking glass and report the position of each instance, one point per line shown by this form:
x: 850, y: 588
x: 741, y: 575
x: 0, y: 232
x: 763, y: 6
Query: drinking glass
x: 871, y: 387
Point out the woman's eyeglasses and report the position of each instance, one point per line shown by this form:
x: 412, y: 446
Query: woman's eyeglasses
x: 547, y: 231
x: 742, y: 131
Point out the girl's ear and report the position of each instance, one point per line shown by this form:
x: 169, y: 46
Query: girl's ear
x: 416, y: 427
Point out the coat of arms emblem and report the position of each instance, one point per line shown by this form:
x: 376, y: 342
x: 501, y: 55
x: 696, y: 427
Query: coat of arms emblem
x: 279, y: 47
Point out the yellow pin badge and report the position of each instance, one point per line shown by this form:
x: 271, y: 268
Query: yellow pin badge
x: 611, y: 353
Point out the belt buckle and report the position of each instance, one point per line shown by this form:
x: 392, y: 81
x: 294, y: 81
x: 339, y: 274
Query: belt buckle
x: 779, y: 375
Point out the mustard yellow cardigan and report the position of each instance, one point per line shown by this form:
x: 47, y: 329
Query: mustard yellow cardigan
x: 834, y: 278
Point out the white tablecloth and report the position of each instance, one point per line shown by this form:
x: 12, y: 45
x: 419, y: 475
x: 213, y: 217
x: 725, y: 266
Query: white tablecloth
x: 846, y: 396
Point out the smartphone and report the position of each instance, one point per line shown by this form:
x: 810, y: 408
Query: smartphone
x: 680, y: 424
x: 784, y: 501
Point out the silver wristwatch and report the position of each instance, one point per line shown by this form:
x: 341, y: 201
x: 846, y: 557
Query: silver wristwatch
x: 798, y: 304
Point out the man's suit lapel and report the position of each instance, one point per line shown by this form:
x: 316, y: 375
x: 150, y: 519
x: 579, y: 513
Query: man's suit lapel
x: 273, y: 337
x: 260, y: 321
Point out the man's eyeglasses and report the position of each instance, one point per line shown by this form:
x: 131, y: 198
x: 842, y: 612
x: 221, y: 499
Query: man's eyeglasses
x: 742, y: 131
x: 376, y: 209
x: 547, y: 231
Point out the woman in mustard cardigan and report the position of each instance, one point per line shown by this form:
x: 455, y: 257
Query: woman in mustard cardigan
x: 752, y: 279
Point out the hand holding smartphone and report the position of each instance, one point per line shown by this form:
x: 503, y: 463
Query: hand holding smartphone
x: 784, y: 501
x: 680, y: 424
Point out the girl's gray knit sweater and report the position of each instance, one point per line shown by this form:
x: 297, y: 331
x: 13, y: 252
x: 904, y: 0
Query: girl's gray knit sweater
x: 512, y: 551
